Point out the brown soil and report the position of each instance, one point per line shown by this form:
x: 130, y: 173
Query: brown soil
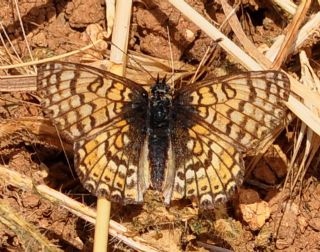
x: 263, y: 216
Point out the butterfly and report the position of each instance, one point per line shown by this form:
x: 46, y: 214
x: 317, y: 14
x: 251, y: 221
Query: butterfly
x: 183, y: 142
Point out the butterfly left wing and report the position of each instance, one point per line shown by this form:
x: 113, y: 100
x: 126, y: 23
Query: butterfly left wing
x: 114, y: 164
x: 104, y: 115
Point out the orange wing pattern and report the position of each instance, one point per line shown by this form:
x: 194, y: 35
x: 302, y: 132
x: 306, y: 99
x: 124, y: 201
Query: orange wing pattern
x: 216, y: 121
x: 104, y: 115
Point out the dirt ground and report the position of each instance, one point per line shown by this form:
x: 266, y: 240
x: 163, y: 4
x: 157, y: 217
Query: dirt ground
x: 264, y: 215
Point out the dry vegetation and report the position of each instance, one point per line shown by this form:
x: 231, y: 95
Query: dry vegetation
x: 43, y: 206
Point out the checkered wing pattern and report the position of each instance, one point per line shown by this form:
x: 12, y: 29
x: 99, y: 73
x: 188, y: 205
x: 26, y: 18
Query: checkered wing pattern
x: 104, y: 115
x: 216, y: 120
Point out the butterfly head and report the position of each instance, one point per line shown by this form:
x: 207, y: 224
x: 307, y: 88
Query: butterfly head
x: 160, y: 102
x: 160, y: 89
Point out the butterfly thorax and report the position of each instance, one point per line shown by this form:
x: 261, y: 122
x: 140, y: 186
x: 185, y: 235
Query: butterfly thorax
x: 160, y: 102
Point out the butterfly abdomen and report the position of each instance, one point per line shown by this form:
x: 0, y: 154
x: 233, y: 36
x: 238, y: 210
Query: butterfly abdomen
x: 159, y: 121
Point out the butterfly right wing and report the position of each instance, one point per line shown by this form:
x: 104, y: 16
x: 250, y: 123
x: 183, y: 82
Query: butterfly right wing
x: 104, y: 115
x: 215, y: 121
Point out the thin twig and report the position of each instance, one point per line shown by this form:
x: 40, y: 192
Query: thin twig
x: 215, y: 34
x: 59, y: 57
x: 286, y: 5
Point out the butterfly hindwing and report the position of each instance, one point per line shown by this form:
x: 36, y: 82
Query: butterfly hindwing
x: 104, y: 115
x: 207, y: 167
x: 113, y: 164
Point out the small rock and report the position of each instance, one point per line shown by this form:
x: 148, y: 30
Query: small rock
x: 255, y: 214
x: 254, y: 211
x: 247, y: 196
x: 303, y: 224
x: 315, y: 223
x: 189, y: 35
x: 264, y: 173
x: 31, y: 200
x: 40, y: 40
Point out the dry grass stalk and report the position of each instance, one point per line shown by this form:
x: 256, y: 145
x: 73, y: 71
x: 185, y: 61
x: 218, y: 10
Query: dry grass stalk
x: 59, y: 57
x: 239, y: 55
x: 28, y: 83
x: 290, y: 37
x: 11, y: 58
x: 286, y: 5
x: 242, y: 37
x: 34, y: 130
x: 308, y: 30
x: 118, y: 57
x: 18, y: 83
x: 23, y: 31
x: 304, y: 157
x: 110, y: 13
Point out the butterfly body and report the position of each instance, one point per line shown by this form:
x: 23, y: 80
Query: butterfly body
x: 186, y: 142
x: 158, y: 121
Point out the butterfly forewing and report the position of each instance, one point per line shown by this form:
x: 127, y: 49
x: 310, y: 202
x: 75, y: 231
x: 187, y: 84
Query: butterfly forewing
x: 104, y: 115
x: 82, y: 100
x: 243, y: 108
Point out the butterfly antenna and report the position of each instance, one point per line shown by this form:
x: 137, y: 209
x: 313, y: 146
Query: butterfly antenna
x: 164, y: 79
x: 133, y: 59
x: 111, y: 43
